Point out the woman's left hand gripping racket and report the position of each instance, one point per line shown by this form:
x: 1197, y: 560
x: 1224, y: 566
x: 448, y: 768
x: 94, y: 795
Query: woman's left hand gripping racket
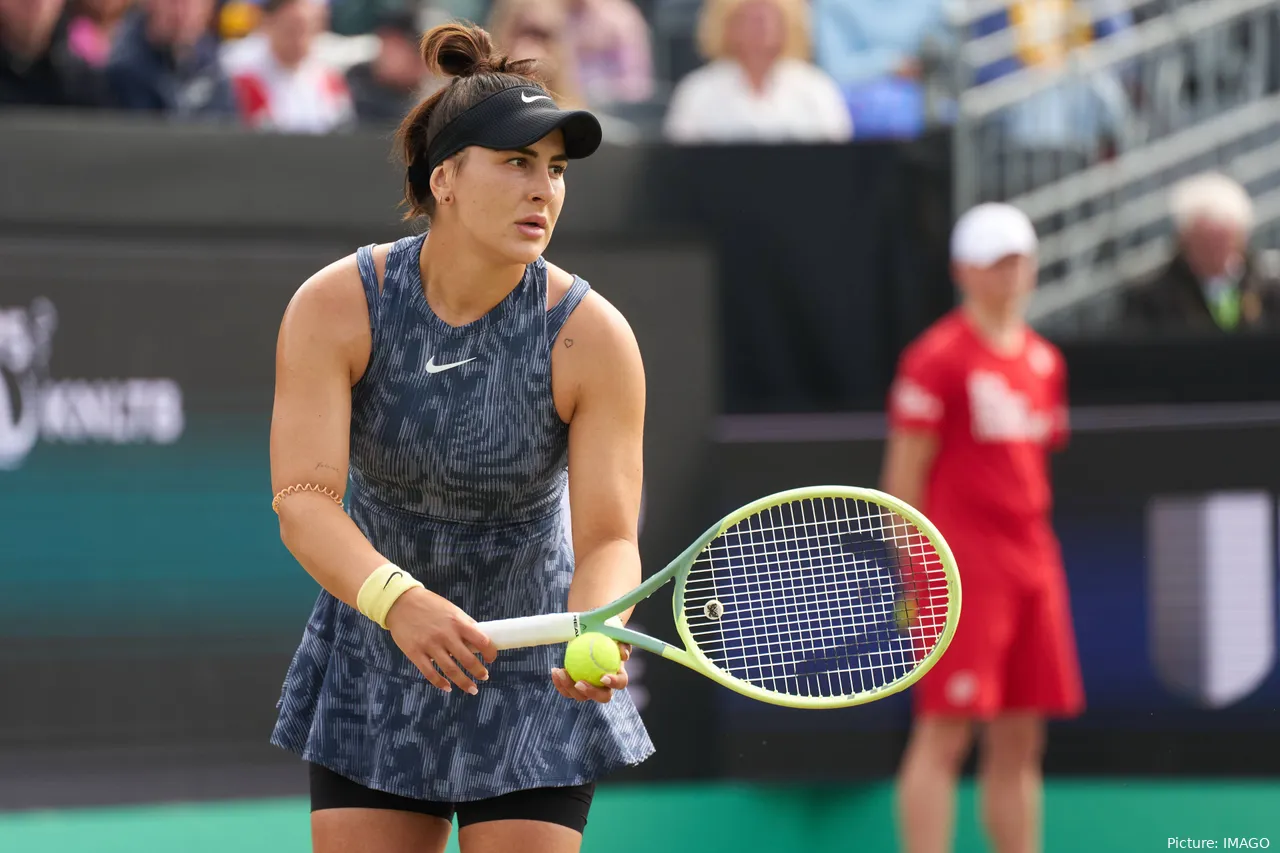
x: 819, y: 597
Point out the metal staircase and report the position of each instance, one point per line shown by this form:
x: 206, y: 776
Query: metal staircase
x: 1089, y: 140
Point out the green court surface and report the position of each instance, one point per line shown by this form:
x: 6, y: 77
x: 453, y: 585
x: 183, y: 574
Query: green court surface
x: 1114, y: 816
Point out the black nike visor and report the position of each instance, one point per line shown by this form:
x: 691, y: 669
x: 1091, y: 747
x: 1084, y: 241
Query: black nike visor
x: 515, y: 118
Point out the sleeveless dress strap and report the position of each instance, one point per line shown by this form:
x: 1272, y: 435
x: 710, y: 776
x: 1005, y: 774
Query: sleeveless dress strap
x: 373, y: 292
x: 558, y: 315
x: 403, y: 252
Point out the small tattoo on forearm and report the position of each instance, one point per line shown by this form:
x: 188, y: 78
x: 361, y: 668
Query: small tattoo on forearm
x: 320, y: 465
x: 568, y: 342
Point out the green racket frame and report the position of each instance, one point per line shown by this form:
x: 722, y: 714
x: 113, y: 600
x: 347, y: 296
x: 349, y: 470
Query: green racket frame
x: 562, y: 627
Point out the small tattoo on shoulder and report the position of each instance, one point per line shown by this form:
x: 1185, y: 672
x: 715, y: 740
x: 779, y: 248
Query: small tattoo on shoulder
x: 320, y: 465
x: 568, y: 342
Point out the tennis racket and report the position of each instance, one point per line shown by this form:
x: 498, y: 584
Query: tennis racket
x: 820, y: 597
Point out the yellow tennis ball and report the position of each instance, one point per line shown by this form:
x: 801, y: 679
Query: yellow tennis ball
x: 905, y: 611
x: 591, y: 657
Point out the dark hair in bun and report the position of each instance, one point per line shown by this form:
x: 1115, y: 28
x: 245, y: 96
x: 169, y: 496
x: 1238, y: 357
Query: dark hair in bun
x: 466, y: 54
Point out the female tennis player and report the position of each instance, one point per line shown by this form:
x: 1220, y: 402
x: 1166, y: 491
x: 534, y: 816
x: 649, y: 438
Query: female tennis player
x: 453, y: 384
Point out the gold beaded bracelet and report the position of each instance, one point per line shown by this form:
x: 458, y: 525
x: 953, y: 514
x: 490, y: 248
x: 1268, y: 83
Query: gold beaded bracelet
x: 304, y: 487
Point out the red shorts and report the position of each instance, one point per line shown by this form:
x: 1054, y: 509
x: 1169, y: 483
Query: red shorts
x: 1014, y: 648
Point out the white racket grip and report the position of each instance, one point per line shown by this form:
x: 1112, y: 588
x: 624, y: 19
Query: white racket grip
x: 526, y: 631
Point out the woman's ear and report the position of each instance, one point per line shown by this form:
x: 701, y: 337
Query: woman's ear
x: 442, y: 182
x: 444, y: 177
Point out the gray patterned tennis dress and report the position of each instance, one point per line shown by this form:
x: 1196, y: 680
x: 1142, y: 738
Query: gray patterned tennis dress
x: 458, y: 473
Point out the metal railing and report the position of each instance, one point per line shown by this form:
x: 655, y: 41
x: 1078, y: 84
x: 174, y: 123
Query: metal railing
x: 1089, y: 142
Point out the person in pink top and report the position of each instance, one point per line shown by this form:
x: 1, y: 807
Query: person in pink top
x: 90, y: 29
x: 609, y: 45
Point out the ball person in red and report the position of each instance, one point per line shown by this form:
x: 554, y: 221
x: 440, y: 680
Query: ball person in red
x: 978, y: 404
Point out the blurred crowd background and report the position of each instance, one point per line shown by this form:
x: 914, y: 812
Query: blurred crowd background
x: 1034, y: 91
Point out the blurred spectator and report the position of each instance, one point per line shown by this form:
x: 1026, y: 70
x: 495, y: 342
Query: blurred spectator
x: 166, y: 60
x: 871, y: 48
x: 357, y: 17
x: 609, y: 44
x: 1078, y: 111
x: 759, y: 85
x: 280, y: 84
x: 36, y: 67
x: 856, y: 42
x: 534, y: 29
x: 92, y: 27
x: 1046, y: 31
x: 1213, y: 283
x: 387, y: 87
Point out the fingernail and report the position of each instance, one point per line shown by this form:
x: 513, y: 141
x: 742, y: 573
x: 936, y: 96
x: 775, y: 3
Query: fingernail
x: 473, y: 690
x: 484, y: 676
x: 606, y: 681
x: 581, y: 685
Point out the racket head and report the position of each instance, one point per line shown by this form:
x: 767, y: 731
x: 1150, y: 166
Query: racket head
x: 819, y: 597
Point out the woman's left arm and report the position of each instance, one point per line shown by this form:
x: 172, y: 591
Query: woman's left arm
x: 597, y: 352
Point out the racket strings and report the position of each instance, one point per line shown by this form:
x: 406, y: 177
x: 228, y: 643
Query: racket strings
x: 821, y: 597
x: 788, y: 596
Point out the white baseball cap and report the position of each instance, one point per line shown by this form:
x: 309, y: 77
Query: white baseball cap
x: 988, y: 232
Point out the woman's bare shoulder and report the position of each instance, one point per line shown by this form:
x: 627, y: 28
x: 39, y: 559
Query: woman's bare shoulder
x: 329, y: 310
x: 558, y: 284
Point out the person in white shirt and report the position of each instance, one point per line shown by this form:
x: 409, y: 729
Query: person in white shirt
x: 759, y: 85
x: 280, y: 84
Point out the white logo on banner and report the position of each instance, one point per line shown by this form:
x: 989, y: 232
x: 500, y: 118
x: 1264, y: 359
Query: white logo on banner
x: 33, y: 406
x: 1211, y: 593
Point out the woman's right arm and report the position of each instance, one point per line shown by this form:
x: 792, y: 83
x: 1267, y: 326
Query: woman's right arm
x: 322, y: 350
x: 322, y: 347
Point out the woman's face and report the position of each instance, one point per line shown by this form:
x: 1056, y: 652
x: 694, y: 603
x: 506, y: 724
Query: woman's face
x: 29, y: 22
x: 756, y: 32
x: 509, y: 201
x: 399, y: 61
x: 533, y: 35
x: 531, y: 45
x: 106, y: 10
x: 293, y: 29
x: 178, y: 22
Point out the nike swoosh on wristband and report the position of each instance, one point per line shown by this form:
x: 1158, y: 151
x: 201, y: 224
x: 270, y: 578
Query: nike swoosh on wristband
x: 432, y: 367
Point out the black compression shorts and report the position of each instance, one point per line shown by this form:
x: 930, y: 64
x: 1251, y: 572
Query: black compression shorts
x: 563, y: 806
